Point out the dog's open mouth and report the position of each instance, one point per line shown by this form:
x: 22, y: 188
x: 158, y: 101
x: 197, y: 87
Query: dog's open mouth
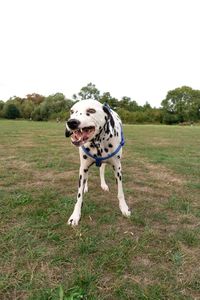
x: 82, y: 135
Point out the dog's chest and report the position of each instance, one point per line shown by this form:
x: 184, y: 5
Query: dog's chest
x: 104, y: 144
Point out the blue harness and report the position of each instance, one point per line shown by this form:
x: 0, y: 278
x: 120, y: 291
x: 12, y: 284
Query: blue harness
x: 99, y: 159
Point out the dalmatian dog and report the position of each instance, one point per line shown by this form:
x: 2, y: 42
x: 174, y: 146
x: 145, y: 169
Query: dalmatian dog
x: 97, y: 131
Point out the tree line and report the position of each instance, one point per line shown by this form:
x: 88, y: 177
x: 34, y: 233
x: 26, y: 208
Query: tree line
x: 181, y: 105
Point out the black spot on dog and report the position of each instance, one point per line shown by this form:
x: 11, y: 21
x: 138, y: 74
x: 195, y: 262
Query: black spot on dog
x: 85, y: 156
x: 106, y: 150
x: 110, y: 145
x: 79, y: 195
x: 107, y: 110
x: 97, y: 137
x: 107, y: 130
x: 87, y: 114
x: 87, y: 149
x: 91, y: 164
x: 99, y: 152
x: 111, y: 135
x: 112, y: 122
x: 80, y: 180
x: 118, y: 156
x: 85, y: 170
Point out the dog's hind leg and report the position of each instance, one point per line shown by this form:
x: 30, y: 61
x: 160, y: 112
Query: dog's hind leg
x: 102, y: 177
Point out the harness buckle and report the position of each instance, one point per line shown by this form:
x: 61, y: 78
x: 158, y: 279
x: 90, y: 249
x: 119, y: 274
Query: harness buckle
x: 98, y: 162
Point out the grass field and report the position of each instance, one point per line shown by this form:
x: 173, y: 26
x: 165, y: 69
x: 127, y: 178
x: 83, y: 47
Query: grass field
x: 153, y: 255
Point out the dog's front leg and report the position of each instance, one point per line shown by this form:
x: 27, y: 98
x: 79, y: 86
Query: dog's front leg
x: 118, y: 175
x: 76, y: 215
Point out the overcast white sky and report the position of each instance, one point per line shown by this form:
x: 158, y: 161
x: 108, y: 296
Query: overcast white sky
x: 135, y: 48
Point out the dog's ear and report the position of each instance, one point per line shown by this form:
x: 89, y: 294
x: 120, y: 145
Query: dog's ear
x: 68, y: 133
x: 108, y: 111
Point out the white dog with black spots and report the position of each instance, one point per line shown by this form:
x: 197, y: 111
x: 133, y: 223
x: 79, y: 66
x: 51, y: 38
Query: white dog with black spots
x: 97, y: 130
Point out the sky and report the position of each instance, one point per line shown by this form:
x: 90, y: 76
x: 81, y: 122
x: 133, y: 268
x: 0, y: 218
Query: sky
x: 135, y: 48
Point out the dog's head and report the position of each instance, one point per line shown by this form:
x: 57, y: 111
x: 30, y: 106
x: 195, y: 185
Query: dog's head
x: 87, y: 119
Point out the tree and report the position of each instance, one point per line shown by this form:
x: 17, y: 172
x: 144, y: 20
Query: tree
x: 107, y: 98
x: 128, y: 104
x: 146, y: 106
x: 45, y: 111
x: 36, y: 114
x: 35, y: 98
x: 11, y: 111
x: 54, y: 106
x: 27, y: 108
x: 89, y: 92
x: 1, y: 108
x: 125, y: 102
x: 193, y: 107
x: 182, y: 102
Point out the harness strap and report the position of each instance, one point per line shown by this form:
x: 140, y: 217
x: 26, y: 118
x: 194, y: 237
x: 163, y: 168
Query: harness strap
x: 99, y: 159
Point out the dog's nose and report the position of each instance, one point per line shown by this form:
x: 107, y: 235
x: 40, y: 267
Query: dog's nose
x: 73, y: 123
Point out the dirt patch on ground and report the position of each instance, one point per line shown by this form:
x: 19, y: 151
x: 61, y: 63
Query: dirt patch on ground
x: 153, y: 179
x: 165, y: 175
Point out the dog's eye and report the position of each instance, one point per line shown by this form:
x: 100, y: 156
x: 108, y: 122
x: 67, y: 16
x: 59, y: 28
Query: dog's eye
x: 91, y: 110
x: 71, y: 111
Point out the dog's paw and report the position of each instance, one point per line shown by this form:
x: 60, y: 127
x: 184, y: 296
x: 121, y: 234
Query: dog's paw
x: 73, y: 220
x: 125, y: 211
x: 105, y: 187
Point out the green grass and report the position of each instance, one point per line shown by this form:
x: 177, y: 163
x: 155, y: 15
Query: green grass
x: 153, y: 255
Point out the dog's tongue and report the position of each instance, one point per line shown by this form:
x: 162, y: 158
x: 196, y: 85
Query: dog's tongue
x: 80, y: 135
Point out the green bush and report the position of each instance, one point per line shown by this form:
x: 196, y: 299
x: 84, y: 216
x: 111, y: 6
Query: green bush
x: 10, y: 111
x: 170, y: 119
